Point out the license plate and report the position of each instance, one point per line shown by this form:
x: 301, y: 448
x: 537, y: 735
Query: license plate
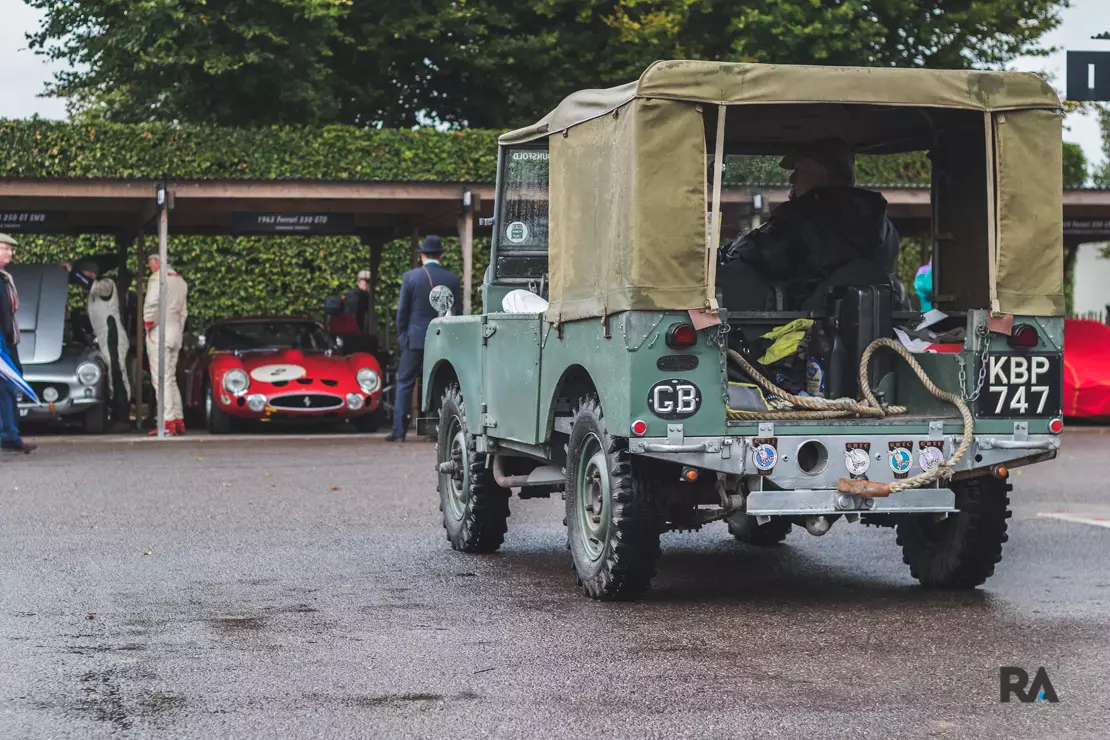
x: 1026, y: 385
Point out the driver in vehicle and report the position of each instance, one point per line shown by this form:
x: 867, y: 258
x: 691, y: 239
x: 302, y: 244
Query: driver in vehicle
x: 829, y: 233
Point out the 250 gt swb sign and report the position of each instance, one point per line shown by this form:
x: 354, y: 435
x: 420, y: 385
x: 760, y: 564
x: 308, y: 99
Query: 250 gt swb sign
x: 1026, y: 385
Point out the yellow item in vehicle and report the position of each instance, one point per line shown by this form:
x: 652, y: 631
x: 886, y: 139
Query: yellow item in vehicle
x: 785, y: 340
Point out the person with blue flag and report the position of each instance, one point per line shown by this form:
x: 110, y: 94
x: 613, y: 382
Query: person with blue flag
x: 11, y: 373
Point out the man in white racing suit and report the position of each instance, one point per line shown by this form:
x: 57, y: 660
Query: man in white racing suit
x: 176, y: 313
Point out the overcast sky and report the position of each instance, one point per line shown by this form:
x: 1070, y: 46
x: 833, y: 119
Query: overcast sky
x: 23, y: 74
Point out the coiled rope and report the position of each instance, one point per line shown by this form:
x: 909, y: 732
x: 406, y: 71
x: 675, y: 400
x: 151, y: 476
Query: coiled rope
x: 810, y: 407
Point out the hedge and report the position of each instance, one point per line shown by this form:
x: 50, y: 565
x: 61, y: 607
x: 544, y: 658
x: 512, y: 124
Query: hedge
x: 275, y: 275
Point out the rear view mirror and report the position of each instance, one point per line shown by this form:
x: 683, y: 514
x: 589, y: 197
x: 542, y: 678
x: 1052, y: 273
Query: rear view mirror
x: 442, y: 299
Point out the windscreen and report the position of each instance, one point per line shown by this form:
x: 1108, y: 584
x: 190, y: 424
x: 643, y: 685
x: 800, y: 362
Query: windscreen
x: 523, y: 217
x: 302, y: 335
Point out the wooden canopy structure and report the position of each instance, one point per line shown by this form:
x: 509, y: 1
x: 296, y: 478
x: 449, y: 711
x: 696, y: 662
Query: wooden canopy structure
x: 129, y: 209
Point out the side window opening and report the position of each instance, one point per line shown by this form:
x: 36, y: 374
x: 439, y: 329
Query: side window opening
x: 522, y: 223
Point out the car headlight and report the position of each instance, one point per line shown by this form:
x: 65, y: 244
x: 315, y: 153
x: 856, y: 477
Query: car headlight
x: 354, y: 401
x: 236, y: 382
x: 257, y: 402
x: 50, y: 394
x: 88, y: 373
x: 368, y: 380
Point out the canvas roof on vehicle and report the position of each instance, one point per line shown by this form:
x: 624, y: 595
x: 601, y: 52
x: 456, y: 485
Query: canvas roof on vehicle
x: 739, y: 83
x: 628, y: 190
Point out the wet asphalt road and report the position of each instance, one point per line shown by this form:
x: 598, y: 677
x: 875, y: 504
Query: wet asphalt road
x: 284, y: 588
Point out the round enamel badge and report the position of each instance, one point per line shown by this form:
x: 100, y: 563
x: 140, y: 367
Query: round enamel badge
x: 930, y: 457
x: 765, y: 456
x: 857, y: 461
x: 272, y: 373
x: 900, y: 460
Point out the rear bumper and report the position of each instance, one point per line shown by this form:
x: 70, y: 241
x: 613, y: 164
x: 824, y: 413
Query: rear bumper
x: 799, y: 472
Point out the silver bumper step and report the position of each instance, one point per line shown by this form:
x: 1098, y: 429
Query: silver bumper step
x: 811, y: 503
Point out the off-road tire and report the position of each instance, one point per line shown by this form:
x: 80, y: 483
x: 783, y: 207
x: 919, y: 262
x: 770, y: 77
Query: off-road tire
x: 745, y: 529
x: 475, y: 522
x: 215, y: 419
x: 959, y: 552
x: 621, y: 565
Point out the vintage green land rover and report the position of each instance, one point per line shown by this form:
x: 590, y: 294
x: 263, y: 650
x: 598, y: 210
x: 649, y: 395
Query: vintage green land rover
x: 605, y: 367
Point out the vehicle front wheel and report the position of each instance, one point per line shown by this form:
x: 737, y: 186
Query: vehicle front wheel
x: 961, y: 550
x: 613, y: 516
x: 474, y: 507
x: 216, y: 420
x: 746, y: 529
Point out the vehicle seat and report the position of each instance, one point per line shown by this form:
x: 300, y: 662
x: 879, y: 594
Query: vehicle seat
x: 857, y: 272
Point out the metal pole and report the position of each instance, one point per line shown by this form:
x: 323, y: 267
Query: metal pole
x: 163, y: 259
x: 140, y: 330
x: 466, y: 241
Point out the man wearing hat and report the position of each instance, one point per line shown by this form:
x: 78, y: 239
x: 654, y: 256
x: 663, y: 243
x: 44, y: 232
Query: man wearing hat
x: 828, y: 226
x: 414, y: 313
x: 357, y: 302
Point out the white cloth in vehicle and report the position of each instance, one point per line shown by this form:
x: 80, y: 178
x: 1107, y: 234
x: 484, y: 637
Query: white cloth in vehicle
x: 523, y: 301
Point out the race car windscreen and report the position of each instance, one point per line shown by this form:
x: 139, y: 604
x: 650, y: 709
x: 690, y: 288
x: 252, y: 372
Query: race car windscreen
x: 256, y: 335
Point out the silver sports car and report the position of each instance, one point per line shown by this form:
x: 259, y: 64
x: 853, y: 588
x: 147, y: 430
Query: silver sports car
x: 66, y: 372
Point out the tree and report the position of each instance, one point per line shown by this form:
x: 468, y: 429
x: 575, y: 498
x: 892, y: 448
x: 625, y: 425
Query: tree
x: 485, y: 63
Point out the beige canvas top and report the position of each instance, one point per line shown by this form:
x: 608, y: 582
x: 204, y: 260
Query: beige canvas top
x: 628, y: 199
x: 736, y: 83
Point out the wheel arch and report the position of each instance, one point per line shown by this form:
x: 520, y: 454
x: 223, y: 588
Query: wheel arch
x: 574, y: 383
x: 441, y: 375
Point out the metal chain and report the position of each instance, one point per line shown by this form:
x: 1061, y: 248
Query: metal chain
x: 982, y: 336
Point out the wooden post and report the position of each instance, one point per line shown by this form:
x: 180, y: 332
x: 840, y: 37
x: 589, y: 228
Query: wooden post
x: 140, y: 329
x: 375, y: 269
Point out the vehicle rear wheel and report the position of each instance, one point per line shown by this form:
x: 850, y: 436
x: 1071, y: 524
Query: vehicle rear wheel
x: 216, y: 420
x: 96, y: 419
x: 474, y: 507
x: 960, y: 551
x: 613, y: 516
x: 746, y: 529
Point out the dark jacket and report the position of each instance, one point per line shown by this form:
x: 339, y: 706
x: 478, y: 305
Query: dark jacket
x: 805, y: 240
x: 414, y: 312
x: 7, y: 315
x: 357, y: 303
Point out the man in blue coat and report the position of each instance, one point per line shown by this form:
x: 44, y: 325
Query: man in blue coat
x: 414, y: 313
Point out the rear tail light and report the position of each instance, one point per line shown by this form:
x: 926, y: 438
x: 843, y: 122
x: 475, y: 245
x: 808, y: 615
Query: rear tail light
x: 682, y: 335
x: 639, y: 427
x: 1024, y: 335
x: 1056, y: 425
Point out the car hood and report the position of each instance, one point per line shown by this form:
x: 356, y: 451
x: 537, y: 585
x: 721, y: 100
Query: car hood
x: 63, y: 367
x: 268, y: 366
x: 42, y: 311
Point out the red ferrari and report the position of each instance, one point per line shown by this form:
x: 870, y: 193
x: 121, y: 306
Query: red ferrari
x: 1086, y: 369
x: 269, y: 369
